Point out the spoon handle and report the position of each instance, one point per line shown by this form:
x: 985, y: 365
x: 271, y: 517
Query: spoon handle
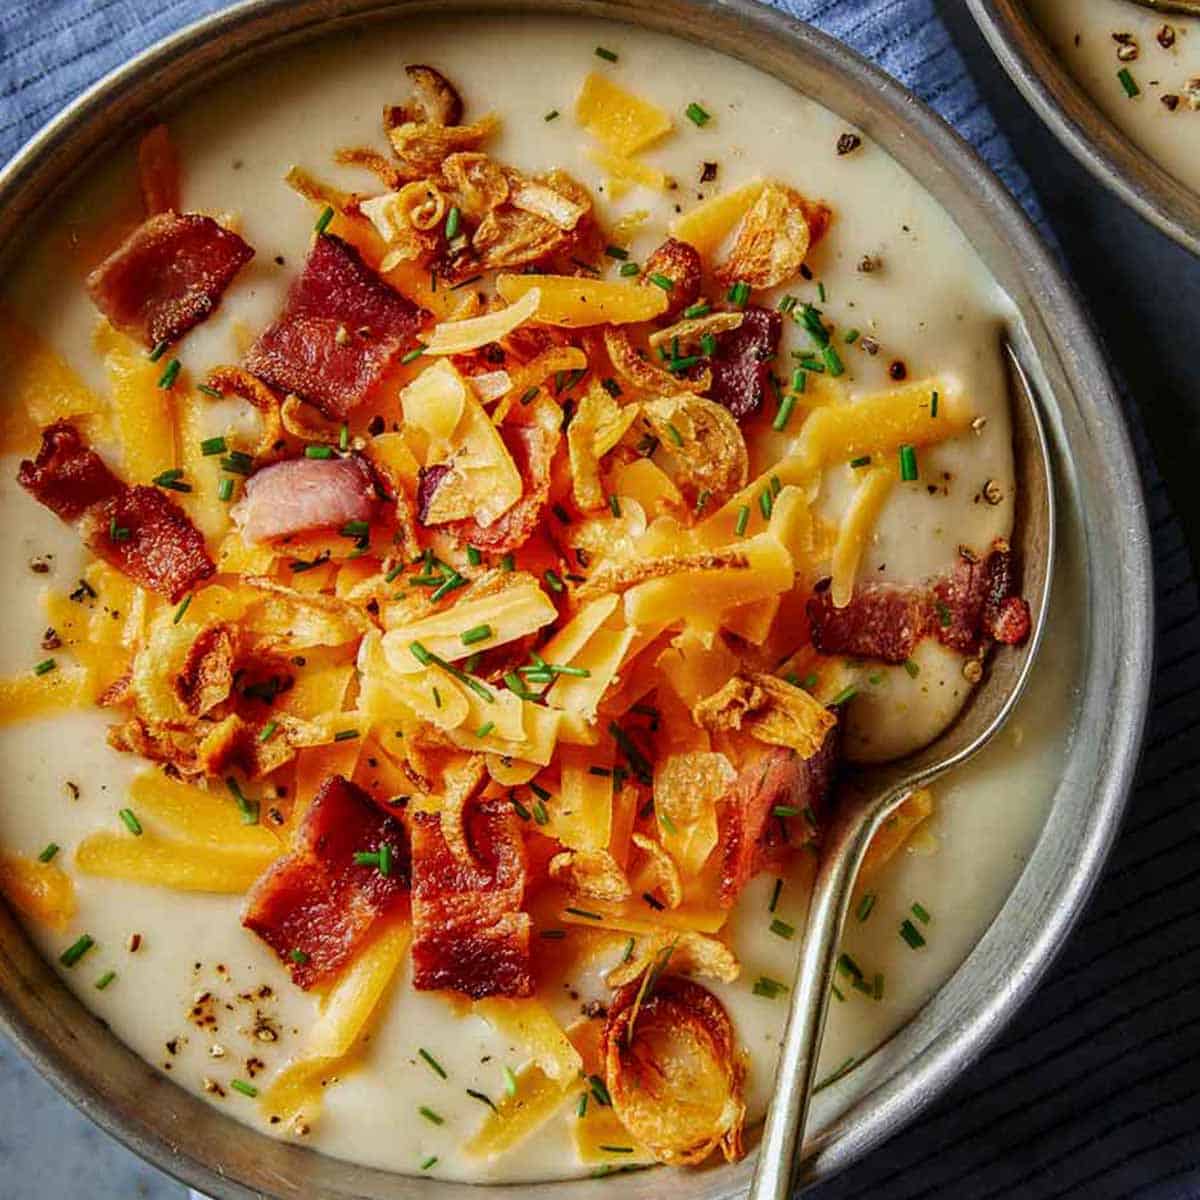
x: 782, y: 1144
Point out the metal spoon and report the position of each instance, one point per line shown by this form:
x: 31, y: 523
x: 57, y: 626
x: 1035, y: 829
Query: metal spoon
x: 1189, y: 8
x: 867, y: 800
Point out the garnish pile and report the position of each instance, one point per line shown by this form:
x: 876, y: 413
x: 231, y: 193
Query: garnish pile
x: 489, y: 637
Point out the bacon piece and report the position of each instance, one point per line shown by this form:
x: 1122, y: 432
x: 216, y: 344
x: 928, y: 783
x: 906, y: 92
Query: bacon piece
x: 139, y: 530
x: 469, y: 934
x: 315, y: 906
x: 340, y: 331
x: 740, y: 367
x: 532, y: 448
x: 302, y: 494
x: 167, y: 276
x: 750, y: 838
x: 975, y: 602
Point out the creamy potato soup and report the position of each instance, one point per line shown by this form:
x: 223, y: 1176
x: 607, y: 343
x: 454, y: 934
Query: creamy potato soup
x: 450, y: 558
x: 1142, y: 68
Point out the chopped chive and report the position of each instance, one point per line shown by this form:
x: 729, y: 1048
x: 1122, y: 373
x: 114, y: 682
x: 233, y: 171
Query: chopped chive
x: 662, y: 281
x: 701, y: 309
x: 921, y: 913
x: 385, y: 859
x: 554, y: 581
x: 629, y: 944
x: 172, y: 480
x: 482, y: 1097
x: 614, y: 504
x: 908, y: 464
x: 355, y: 529
x: 838, y: 993
x: 237, y: 461
x: 540, y: 815
x: 268, y: 731
x: 117, y: 533
x: 454, y: 582
x: 783, y: 929
x: 433, y: 1062
x: 739, y: 293
x: 945, y: 616
x: 702, y: 500
x: 697, y: 115
x: 787, y: 304
x: 933, y: 404
x: 850, y: 337
x: 833, y: 361
x: 581, y: 1107
x: 551, y: 115
x: 318, y: 451
x: 366, y: 858
x: 432, y: 1159
x: 345, y: 735
x: 784, y: 415
x: 485, y: 729
x: 561, y: 513
x: 743, y: 519
x: 766, y: 503
x: 158, y: 351
x: 323, y: 220
x: 510, y: 1080
x: 599, y: 1090
x: 412, y: 355
x: 553, y: 935
x: 866, y: 906
x: 708, y: 345
x: 168, y: 377
x: 105, y: 980
x: 212, y: 445
x: 453, y: 221
x: 785, y: 810
x: 1128, y: 83
x: 846, y: 694
x: 616, y: 252
x: 73, y: 953
x: 247, y: 1089
x: 848, y: 966
x: 616, y: 1149
x: 912, y: 668
x: 606, y: 54
x: 130, y: 821
x: 474, y: 556
x: 45, y: 666
x: 629, y: 268
x: 771, y: 988
x: 775, y: 895
x: 225, y: 489
x: 210, y: 391
x: 821, y: 291
x: 674, y: 434
x: 877, y: 987
x: 183, y: 607
x: 776, y: 486
x: 248, y: 808
x: 48, y: 853
x: 344, y: 437
x: 667, y: 823
x: 863, y: 460
x: 480, y: 633
x: 911, y: 934
x: 430, y: 1115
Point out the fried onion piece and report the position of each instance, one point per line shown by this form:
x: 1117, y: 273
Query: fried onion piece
x: 773, y: 238
x: 679, y: 265
x: 690, y: 331
x: 462, y: 779
x: 769, y: 709
x: 298, y: 620
x: 692, y: 953
x: 673, y: 1070
x: 621, y: 576
x: 422, y: 146
x: 409, y: 220
x: 233, y: 381
x: 707, y: 451
x: 592, y: 873
x: 595, y: 408
x: 432, y: 99
x: 207, y: 676
x: 657, y: 872
x: 637, y: 370
x: 479, y: 183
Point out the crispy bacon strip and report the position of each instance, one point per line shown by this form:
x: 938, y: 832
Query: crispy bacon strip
x: 977, y: 601
x: 750, y: 835
x: 167, y: 276
x: 340, y: 331
x: 315, y: 906
x: 741, y: 366
x: 139, y: 530
x: 469, y: 934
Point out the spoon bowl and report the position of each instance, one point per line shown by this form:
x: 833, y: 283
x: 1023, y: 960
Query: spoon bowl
x: 871, y: 794
x: 1189, y: 8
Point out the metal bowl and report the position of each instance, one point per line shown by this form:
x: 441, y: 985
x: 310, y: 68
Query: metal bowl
x: 1103, y: 584
x: 1080, y: 125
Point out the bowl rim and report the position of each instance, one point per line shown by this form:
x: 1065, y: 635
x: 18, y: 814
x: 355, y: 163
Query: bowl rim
x: 1098, y: 463
x: 1082, y: 127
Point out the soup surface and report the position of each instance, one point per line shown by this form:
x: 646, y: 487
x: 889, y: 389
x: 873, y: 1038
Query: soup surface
x: 1140, y: 67
x: 174, y: 972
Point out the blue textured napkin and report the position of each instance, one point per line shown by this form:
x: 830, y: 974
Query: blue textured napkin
x: 1092, y: 1092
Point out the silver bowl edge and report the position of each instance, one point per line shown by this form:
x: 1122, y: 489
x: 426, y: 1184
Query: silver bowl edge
x: 1072, y: 116
x: 1103, y: 515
